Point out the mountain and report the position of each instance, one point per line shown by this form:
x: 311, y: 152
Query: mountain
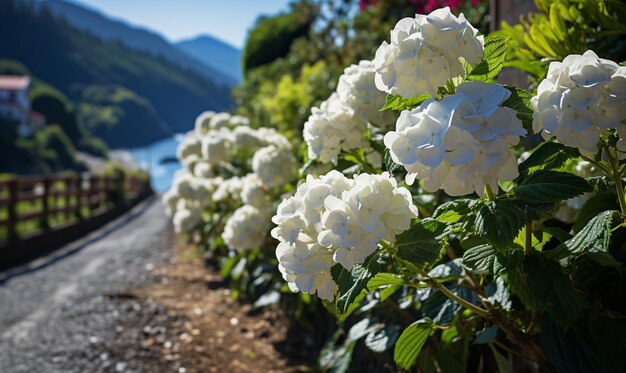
x: 155, y: 97
x: 136, y: 38
x: 214, y: 53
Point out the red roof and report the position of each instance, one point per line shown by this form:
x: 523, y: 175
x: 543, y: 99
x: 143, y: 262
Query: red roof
x: 14, y: 82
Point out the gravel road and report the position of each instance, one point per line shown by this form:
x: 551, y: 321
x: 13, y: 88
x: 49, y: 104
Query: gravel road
x: 69, y: 312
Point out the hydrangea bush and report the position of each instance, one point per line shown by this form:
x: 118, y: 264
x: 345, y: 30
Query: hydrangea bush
x: 437, y: 213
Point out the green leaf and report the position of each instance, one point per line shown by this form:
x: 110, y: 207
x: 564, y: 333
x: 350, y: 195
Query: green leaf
x: 571, y: 350
x: 520, y: 102
x: 493, y: 60
x: 501, y: 362
x: 595, y: 205
x: 391, y: 166
x: 485, y: 259
x: 593, y: 240
x: 399, y: 103
x: 352, y: 283
x: 383, y: 339
x: 499, y: 222
x: 411, y: 342
x: 551, y: 290
x: 422, y: 243
x: 441, y: 309
x: 384, y: 279
x: 549, y: 156
x: 551, y: 186
x: 447, y: 271
x: 453, y: 211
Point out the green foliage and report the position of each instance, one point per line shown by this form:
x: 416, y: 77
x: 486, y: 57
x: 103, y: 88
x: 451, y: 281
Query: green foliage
x: 271, y: 37
x: 411, y: 342
x: 399, y: 103
x: 549, y: 156
x: 422, y: 243
x: 563, y: 27
x: 352, y: 283
x: 551, y: 186
x: 499, y: 222
x: 492, y: 63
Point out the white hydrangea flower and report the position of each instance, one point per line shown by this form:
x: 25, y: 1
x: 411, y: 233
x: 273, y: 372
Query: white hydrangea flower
x: 581, y: 98
x: 203, y: 123
x: 238, y: 121
x: 203, y: 170
x: 270, y: 136
x: 229, y: 190
x: 186, y: 220
x: 253, y: 192
x: 333, y: 219
x: 247, y: 138
x: 461, y: 143
x: 170, y: 199
x: 189, y: 149
x: 220, y: 120
x: 357, y: 89
x: 333, y: 128
x: 246, y: 228
x: 425, y: 52
x: 274, y: 166
x: 217, y: 147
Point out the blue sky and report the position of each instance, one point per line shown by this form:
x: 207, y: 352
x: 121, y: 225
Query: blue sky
x: 228, y: 20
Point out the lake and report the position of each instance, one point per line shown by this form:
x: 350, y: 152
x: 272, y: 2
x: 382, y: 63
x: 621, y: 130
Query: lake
x: 150, y: 158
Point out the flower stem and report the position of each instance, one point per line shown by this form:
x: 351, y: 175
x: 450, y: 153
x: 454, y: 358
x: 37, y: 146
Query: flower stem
x: 491, y: 196
x: 444, y: 290
x: 616, y: 175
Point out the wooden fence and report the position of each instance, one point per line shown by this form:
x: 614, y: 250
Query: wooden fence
x: 35, y: 206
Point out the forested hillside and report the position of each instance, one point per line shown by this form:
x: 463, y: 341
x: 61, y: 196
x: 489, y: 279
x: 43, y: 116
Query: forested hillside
x: 159, y: 97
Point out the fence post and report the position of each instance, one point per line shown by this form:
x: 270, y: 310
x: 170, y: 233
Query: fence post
x: 12, y: 211
x: 78, y: 184
x: 45, y: 206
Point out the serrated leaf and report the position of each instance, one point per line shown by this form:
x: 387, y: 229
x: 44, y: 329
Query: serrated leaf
x: 484, y: 259
x: 453, y: 211
x: 411, y: 342
x: 352, y: 283
x: 549, y: 156
x: 399, y: 103
x: 520, y: 102
x: 422, y: 243
x: 498, y: 294
x: 383, y: 339
x: 592, y: 240
x: 384, y: 279
x: 551, y: 290
x: 551, y: 186
x: 499, y: 222
x: 595, y: 205
x: 391, y: 166
x: 447, y: 271
x: 493, y: 60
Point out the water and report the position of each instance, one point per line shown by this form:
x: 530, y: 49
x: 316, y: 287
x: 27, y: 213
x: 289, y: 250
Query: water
x: 150, y: 158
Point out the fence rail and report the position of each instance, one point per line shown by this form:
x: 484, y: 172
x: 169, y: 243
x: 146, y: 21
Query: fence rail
x: 44, y: 201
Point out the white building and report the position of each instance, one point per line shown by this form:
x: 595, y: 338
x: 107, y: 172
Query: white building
x: 15, y: 104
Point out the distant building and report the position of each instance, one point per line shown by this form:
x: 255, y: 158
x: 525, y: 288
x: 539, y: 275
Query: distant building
x: 15, y: 105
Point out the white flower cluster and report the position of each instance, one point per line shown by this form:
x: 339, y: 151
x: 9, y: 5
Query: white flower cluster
x: 221, y: 148
x: 210, y: 120
x: 581, y: 97
x: 274, y: 166
x: 334, y: 219
x: 425, y: 52
x: 340, y: 123
x: 461, y: 143
x: 246, y: 228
